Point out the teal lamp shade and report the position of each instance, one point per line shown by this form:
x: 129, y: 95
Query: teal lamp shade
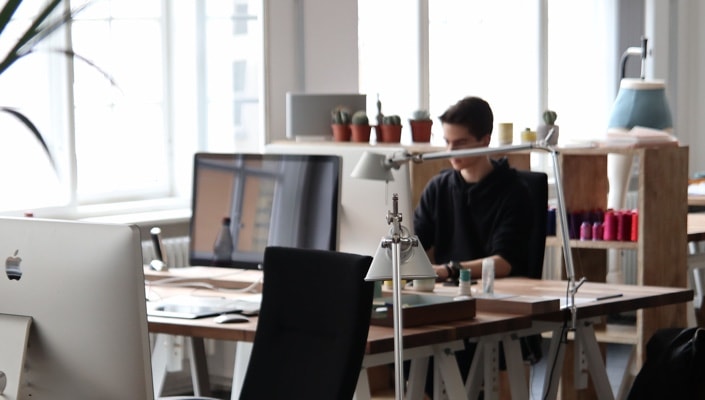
x: 640, y: 103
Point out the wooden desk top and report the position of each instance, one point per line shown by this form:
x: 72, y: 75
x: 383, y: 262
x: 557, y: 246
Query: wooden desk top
x: 380, y: 338
x: 630, y: 297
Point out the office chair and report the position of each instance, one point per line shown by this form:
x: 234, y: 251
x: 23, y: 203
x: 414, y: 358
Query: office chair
x: 537, y: 183
x: 312, y: 327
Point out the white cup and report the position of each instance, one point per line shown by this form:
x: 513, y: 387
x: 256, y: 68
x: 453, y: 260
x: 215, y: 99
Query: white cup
x: 424, y: 285
x: 505, y: 133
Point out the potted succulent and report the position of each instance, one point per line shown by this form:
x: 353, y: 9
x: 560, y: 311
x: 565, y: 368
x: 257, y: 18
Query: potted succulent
x: 549, y: 123
x: 340, y: 123
x: 391, y: 129
x: 360, y: 126
x: 420, y: 124
x: 50, y: 18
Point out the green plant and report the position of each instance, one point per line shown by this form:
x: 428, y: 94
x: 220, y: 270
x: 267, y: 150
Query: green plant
x: 420, y: 115
x: 391, y: 120
x: 49, y: 19
x: 340, y: 116
x: 360, y: 118
x: 549, y: 117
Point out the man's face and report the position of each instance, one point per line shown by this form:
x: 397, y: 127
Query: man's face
x: 458, y: 137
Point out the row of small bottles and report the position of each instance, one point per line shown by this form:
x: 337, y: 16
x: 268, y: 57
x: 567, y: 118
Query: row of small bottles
x: 614, y: 225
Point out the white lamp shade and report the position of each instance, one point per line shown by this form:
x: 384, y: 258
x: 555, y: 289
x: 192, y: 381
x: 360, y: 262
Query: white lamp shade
x: 372, y: 166
x: 416, y: 266
x: 640, y: 103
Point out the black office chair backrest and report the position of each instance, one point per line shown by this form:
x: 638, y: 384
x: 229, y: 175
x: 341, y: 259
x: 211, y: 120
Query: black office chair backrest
x: 537, y: 183
x: 312, y: 327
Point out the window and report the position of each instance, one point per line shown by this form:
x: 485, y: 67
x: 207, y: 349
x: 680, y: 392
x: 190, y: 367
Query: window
x: 186, y: 79
x: 491, y: 49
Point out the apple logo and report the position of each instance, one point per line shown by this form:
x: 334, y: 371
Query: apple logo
x: 12, y: 266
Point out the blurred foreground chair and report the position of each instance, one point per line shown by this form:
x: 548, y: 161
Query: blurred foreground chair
x: 312, y: 327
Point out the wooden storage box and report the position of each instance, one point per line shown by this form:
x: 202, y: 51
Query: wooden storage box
x: 421, y: 309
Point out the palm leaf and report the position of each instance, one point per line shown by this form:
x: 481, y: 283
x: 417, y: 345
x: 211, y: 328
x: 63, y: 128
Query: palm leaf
x: 27, y: 123
x: 40, y: 28
x: 7, y: 12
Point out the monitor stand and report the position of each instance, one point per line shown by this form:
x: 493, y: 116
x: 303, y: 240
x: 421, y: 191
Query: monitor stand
x: 14, y: 333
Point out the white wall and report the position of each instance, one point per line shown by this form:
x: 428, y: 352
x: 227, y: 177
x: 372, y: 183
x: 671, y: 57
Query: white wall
x: 316, y: 52
x: 327, y: 42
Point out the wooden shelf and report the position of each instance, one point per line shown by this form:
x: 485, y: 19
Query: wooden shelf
x: 554, y: 241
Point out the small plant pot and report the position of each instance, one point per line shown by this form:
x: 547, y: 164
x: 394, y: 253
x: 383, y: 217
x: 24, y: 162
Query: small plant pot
x: 391, y: 133
x: 420, y: 130
x: 341, y: 132
x: 361, y: 133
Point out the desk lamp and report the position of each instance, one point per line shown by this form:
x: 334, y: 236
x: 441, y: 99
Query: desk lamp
x: 396, y: 251
x: 379, y: 166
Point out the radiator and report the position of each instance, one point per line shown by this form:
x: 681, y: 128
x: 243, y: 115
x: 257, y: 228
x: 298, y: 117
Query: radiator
x: 176, y: 251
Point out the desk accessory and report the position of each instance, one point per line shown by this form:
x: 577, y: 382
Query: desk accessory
x: 424, y: 309
x: 488, y: 276
x: 160, y: 262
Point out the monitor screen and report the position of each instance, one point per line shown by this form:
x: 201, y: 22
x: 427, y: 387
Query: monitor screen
x: 82, y: 285
x: 308, y: 115
x: 364, y: 203
x: 243, y: 203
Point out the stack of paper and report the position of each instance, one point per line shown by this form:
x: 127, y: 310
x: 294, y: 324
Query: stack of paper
x: 640, y: 136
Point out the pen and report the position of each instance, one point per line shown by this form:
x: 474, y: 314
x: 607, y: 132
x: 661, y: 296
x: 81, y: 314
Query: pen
x: 609, y: 296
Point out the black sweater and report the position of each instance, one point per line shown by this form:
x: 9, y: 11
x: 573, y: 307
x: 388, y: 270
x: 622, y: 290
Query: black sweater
x: 464, y: 221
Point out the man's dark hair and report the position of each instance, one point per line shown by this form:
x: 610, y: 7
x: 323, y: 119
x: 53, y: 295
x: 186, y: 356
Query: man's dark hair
x: 473, y: 113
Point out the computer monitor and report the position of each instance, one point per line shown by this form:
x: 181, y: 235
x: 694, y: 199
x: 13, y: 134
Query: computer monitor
x: 308, y: 115
x: 82, y: 285
x: 269, y: 199
x: 364, y: 203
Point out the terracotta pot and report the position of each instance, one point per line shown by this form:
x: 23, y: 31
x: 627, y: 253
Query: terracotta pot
x: 421, y: 130
x: 341, y: 132
x: 391, y: 133
x: 361, y: 133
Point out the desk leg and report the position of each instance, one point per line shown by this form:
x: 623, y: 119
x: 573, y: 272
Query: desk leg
x: 159, y: 362
x: 554, y: 365
x: 515, y: 368
x: 491, y: 369
x: 417, y: 378
x: 242, y: 359
x: 362, y: 389
x: 444, y: 357
x: 199, y: 367
x: 473, y: 384
x: 586, y: 334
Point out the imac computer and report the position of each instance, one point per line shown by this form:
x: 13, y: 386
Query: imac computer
x: 243, y: 203
x: 73, y: 321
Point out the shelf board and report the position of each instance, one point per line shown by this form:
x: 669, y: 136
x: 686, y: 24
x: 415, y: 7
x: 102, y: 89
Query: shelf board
x: 610, y: 333
x: 593, y: 244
